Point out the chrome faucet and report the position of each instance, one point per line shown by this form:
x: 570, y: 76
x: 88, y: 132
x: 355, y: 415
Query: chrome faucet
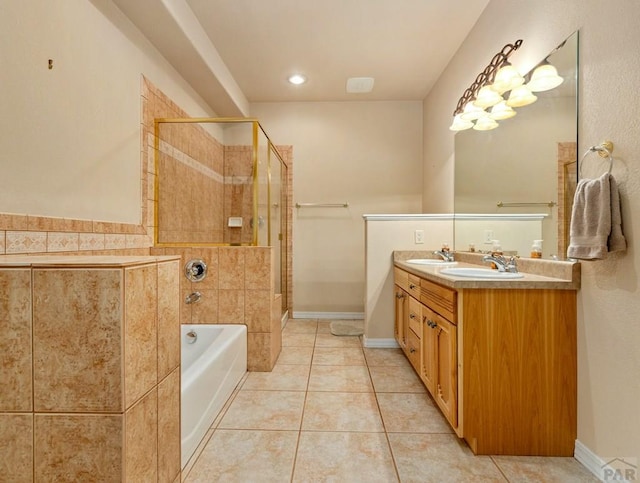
x: 446, y: 255
x: 502, y: 263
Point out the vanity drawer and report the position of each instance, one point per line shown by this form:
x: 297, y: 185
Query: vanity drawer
x: 401, y: 278
x: 414, y: 286
x: 413, y: 350
x: 441, y: 299
x: 415, y: 317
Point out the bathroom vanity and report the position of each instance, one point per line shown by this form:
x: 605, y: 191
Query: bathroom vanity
x: 497, y: 355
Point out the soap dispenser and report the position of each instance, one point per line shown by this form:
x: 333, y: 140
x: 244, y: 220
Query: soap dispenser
x: 536, y: 249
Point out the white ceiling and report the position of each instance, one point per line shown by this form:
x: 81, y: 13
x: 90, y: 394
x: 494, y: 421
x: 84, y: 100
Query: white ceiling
x: 403, y: 44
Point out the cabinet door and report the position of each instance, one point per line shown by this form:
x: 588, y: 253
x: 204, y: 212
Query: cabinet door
x: 429, y: 327
x: 401, y: 317
x: 446, y: 383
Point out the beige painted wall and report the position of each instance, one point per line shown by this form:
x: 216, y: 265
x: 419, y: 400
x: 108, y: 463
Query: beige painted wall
x: 77, y: 126
x: 365, y: 153
x: 609, y: 302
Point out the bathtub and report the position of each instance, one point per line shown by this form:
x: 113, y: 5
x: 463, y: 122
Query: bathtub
x: 211, y: 368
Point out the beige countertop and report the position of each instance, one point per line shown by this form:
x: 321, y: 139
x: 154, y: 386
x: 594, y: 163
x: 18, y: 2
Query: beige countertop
x: 537, y: 274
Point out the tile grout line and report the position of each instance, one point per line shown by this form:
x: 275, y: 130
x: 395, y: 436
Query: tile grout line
x: 384, y: 426
x: 304, y: 403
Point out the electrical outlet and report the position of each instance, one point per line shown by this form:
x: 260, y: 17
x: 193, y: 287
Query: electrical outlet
x: 488, y: 236
x: 418, y: 236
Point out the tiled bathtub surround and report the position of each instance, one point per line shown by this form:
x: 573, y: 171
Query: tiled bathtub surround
x: 91, y: 369
x: 238, y: 289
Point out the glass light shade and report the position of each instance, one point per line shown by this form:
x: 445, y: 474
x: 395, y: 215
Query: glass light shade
x: 460, y: 124
x: 501, y: 111
x: 471, y: 112
x: 521, y: 96
x: 487, y: 97
x: 544, y: 78
x: 485, y: 124
x: 507, y: 78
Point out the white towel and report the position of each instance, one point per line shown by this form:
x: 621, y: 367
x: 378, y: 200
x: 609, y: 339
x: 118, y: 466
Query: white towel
x: 596, y: 224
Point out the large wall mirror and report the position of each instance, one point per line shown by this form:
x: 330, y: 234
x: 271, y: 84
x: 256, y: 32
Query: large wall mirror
x: 515, y: 183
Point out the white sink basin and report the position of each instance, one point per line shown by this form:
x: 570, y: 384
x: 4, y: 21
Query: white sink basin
x: 479, y: 273
x: 430, y: 261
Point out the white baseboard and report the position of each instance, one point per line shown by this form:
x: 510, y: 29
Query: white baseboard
x: 379, y: 343
x: 613, y: 469
x: 589, y: 460
x: 329, y: 315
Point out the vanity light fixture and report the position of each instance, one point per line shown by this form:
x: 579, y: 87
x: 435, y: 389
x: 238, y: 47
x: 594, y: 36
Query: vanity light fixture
x: 544, y: 78
x: 485, y: 124
x: 489, y: 97
x: 521, y: 96
x: 501, y: 111
x: 472, y: 112
x: 460, y: 124
x: 507, y: 78
x: 297, y: 79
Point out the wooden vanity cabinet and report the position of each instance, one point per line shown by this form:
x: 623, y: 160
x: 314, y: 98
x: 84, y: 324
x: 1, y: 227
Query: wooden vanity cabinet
x: 439, y: 369
x: 431, y: 337
x: 401, y: 324
x: 501, y: 364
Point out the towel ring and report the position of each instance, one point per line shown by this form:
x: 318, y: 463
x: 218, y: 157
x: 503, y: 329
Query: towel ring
x: 604, y: 150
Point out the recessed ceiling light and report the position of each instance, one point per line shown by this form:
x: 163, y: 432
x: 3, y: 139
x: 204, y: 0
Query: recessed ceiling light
x: 359, y: 84
x: 297, y: 79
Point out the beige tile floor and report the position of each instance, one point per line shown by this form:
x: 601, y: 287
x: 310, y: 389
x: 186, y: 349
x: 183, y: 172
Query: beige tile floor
x: 332, y: 411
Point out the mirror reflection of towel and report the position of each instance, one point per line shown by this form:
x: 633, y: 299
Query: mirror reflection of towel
x: 596, y: 221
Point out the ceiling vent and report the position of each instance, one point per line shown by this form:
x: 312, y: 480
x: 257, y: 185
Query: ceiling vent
x: 359, y: 85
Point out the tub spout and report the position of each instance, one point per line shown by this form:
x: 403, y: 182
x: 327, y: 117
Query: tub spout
x: 192, y: 298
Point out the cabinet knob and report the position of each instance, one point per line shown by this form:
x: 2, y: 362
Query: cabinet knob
x: 432, y: 324
x: 412, y: 350
x: 412, y: 286
x: 400, y: 295
x: 412, y: 316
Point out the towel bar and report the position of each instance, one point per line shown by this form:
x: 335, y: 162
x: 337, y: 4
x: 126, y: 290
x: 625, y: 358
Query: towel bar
x: 504, y: 204
x: 322, y: 205
x: 604, y: 150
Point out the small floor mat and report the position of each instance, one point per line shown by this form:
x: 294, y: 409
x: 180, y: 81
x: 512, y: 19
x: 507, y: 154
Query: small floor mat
x: 347, y: 327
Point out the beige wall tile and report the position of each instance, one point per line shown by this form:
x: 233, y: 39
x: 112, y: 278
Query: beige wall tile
x: 231, y: 306
x: 186, y: 310
x: 77, y: 340
x: 257, y: 310
x: 62, y: 242
x: 14, y: 222
x: 141, y: 443
x: 78, y: 447
x: 231, y: 263
x: 15, y: 340
x: 140, y: 332
x: 115, y: 241
x: 16, y: 447
x: 258, y: 264
x: 206, y: 310
x: 169, y: 427
x: 275, y: 346
x: 25, y: 242
x: 2, y: 242
x: 168, y: 317
x: 259, y: 351
x: 92, y: 241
